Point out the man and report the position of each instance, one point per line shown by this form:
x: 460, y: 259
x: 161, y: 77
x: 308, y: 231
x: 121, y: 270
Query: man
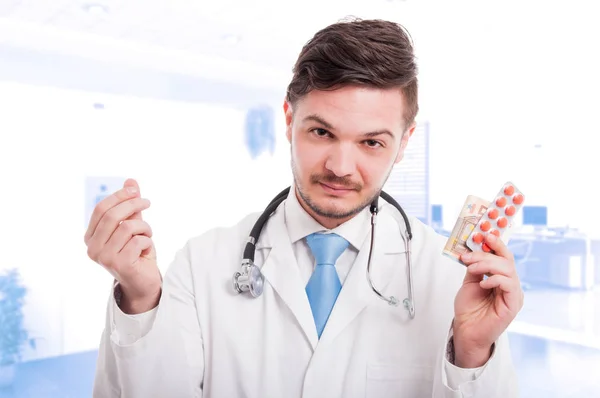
x: 317, y: 330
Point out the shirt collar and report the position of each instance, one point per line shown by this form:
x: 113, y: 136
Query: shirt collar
x: 300, y: 224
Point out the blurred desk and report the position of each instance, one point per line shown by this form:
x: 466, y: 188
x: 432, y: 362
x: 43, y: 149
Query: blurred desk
x: 566, y: 261
x: 595, y: 249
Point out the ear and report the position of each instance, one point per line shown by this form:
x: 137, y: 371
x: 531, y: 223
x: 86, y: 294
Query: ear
x: 289, y: 117
x: 404, y: 141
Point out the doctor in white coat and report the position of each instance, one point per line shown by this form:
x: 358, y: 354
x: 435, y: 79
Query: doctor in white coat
x: 318, y: 329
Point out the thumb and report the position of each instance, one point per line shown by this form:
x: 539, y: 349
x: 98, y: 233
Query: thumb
x: 130, y: 182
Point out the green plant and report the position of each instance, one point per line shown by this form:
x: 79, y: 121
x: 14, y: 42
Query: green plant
x: 13, y: 336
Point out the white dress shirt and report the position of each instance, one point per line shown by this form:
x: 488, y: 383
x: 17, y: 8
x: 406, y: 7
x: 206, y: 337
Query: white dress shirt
x: 300, y: 224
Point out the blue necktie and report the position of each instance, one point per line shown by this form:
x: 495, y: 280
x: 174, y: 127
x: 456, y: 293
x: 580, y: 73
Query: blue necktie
x: 324, y: 284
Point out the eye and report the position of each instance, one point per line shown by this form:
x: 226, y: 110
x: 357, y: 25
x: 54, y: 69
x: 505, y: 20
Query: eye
x: 319, y: 132
x: 373, y: 143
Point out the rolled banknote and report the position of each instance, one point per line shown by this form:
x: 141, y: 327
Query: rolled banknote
x: 473, y: 209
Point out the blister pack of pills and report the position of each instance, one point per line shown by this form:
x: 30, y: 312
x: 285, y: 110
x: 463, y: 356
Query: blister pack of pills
x: 498, y: 217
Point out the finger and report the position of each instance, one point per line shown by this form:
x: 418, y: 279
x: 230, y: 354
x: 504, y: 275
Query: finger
x: 113, y: 217
x: 96, y: 253
x: 498, y: 246
x: 125, y: 231
x: 133, y: 184
x: 105, y: 205
x: 134, y: 248
x: 472, y: 277
x: 512, y: 292
x: 474, y: 257
x: 497, y: 266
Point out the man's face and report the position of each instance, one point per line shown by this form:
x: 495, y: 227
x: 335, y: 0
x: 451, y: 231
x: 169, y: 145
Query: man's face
x: 344, y: 144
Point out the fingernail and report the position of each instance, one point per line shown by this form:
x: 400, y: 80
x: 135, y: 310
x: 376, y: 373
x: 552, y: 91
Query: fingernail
x: 466, y: 256
x: 491, y: 238
x: 132, y: 190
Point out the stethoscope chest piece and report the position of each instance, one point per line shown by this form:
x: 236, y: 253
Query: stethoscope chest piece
x: 249, y: 279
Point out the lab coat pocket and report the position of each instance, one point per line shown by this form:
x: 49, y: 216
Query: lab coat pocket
x: 398, y: 381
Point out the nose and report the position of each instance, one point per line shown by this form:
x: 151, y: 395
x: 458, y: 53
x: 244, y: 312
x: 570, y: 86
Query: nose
x: 341, y: 161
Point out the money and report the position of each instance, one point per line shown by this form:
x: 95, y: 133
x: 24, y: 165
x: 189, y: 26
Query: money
x: 472, y: 211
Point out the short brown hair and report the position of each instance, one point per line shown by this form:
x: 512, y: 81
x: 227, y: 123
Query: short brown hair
x: 373, y: 53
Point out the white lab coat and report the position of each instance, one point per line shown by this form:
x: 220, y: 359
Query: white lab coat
x: 204, y: 340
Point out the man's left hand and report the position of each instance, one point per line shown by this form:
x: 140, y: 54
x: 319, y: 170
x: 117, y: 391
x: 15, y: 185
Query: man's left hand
x: 483, y: 308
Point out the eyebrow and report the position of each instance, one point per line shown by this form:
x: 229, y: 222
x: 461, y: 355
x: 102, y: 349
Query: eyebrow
x: 324, y: 123
x: 318, y: 119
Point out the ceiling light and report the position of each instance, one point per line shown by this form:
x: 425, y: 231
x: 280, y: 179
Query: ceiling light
x: 96, y: 9
x: 231, y: 39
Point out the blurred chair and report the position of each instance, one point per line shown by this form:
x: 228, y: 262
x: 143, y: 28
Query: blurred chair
x: 521, y: 250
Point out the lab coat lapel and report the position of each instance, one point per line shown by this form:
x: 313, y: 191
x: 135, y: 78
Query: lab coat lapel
x: 281, y: 271
x: 387, y: 260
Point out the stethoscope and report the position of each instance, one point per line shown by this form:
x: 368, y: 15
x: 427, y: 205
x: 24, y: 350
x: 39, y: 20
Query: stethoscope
x: 250, y: 279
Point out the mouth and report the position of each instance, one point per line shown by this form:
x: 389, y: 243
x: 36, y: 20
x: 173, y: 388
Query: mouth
x: 337, y: 190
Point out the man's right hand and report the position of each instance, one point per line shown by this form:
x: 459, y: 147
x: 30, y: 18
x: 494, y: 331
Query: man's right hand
x: 121, y: 241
